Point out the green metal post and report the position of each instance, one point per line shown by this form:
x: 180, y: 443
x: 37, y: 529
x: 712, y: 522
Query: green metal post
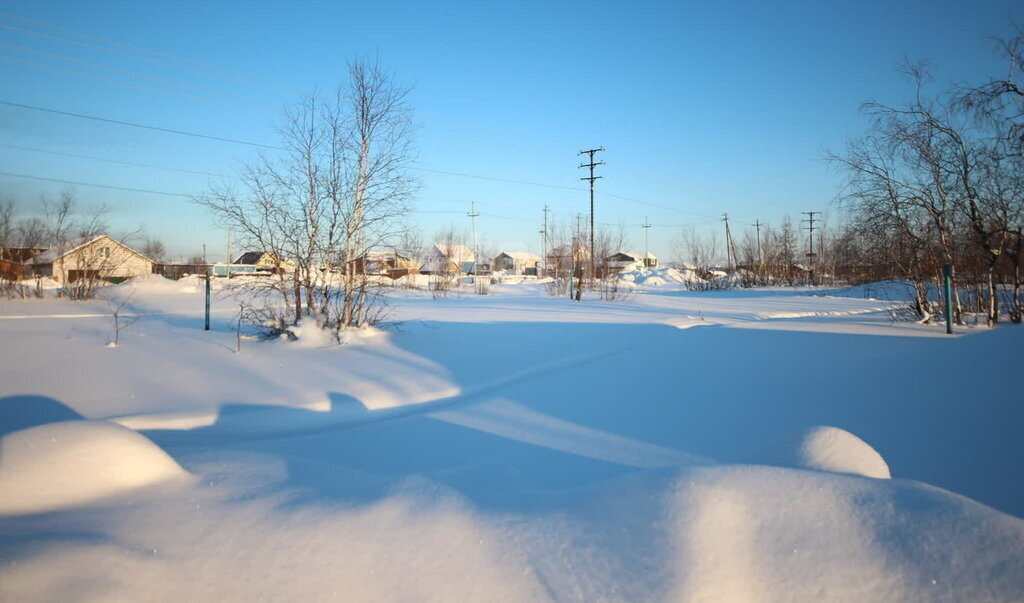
x: 947, y: 274
x: 207, y: 327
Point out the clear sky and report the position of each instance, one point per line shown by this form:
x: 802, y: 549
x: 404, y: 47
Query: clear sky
x: 703, y: 107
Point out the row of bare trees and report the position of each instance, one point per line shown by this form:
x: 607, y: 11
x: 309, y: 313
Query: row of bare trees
x: 337, y: 188
x: 31, y: 243
x: 940, y: 180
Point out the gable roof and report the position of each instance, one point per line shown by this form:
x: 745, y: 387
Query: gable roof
x: 636, y: 256
x: 524, y: 256
x: 453, y: 251
x: 52, y: 255
x: 249, y: 257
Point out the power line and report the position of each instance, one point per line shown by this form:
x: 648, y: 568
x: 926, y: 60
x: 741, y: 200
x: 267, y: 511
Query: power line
x: 150, y: 51
x: 128, y: 84
x: 92, y: 184
x: 277, y: 148
x: 117, y: 161
x: 138, y: 56
x: 131, y: 73
x: 135, y: 125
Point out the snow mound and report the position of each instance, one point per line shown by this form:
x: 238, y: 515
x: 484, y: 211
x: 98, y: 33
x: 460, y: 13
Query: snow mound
x: 828, y: 449
x: 308, y: 334
x: 659, y: 277
x: 156, y: 283
x: 63, y: 464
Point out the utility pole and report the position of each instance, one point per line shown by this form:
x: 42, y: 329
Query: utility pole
x: 810, y: 243
x: 472, y: 218
x: 591, y: 178
x: 646, y: 225
x: 544, y: 244
x: 227, y: 269
x: 760, y: 255
x: 577, y: 270
x: 730, y: 251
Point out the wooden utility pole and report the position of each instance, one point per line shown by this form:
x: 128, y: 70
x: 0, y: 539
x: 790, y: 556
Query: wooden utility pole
x: 472, y: 218
x: 810, y: 243
x: 760, y: 255
x: 646, y: 225
x: 591, y: 178
x: 544, y: 244
x: 730, y: 251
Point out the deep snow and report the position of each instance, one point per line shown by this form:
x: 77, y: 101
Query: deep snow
x: 728, y: 445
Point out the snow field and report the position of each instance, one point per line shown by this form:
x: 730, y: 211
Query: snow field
x: 512, y: 447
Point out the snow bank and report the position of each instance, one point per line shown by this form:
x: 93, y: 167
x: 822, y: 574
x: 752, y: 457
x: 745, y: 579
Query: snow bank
x: 773, y: 534
x: 659, y: 277
x: 63, y: 464
x: 158, y: 284
x: 827, y: 449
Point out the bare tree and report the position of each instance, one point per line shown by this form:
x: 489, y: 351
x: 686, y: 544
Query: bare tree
x: 154, y: 249
x: 335, y: 192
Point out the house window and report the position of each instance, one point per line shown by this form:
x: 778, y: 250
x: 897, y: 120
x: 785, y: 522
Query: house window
x: 104, y: 252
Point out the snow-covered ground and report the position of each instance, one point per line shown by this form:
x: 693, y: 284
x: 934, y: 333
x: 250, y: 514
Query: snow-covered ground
x: 727, y: 445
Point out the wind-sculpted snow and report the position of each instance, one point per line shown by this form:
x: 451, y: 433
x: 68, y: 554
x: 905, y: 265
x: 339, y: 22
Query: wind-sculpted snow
x: 72, y: 462
x: 513, y: 446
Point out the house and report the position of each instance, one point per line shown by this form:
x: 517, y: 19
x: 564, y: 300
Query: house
x: 389, y: 263
x: 517, y: 262
x: 450, y: 257
x: 97, y: 257
x: 562, y: 259
x: 624, y: 261
x: 261, y: 261
x: 16, y: 262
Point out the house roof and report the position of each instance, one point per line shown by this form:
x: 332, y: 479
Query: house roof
x: 381, y: 256
x: 525, y: 256
x: 638, y: 256
x: 52, y: 255
x: 20, y: 255
x: 250, y: 257
x: 454, y: 252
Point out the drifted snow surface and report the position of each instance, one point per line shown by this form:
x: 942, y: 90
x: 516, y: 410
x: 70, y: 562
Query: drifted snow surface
x: 67, y: 463
x: 511, y: 447
x: 827, y: 449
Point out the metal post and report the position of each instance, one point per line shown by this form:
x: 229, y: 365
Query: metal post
x: 207, y: 327
x: 947, y: 274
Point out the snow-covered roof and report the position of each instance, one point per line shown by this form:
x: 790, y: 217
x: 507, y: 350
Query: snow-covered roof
x: 52, y: 255
x: 638, y: 256
x: 382, y: 256
x: 525, y: 256
x: 454, y: 251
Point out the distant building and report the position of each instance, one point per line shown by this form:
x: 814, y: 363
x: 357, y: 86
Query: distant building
x: 625, y: 261
x: 261, y: 261
x: 16, y: 262
x: 386, y: 263
x: 516, y: 262
x: 450, y: 257
x: 97, y: 257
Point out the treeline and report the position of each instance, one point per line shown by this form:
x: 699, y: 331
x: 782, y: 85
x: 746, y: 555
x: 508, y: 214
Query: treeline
x: 941, y: 180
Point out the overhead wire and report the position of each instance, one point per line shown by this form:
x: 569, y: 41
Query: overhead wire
x: 116, y: 161
x: 278, y: 148
x: 68, y: 59
x: 134, y: 55
x: 124, y: 83
x: 149, y: 50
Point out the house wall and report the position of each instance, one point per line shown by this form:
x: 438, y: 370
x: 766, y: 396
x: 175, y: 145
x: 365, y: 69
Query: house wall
x: 120, y: 261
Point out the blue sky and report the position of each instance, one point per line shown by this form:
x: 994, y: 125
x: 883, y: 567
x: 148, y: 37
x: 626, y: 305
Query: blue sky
x: 703, y: 108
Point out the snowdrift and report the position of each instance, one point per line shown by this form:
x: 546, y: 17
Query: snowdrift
x: 659, y: 277
x: 64, y: 464
x: 827, y: 449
